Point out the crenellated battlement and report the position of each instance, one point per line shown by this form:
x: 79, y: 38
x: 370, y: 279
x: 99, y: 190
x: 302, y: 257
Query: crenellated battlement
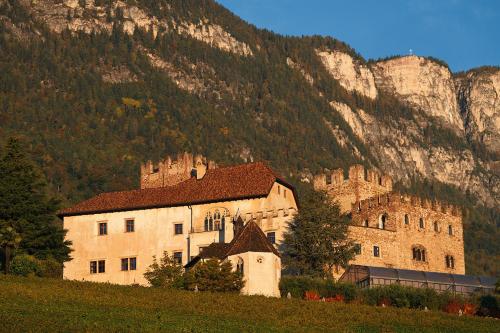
x: 393, y: 198
x: 356, y: 174
x: 171, y: 171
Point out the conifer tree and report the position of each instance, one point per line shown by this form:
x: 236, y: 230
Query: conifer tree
x: 27, y: 208
x: 316, y: 240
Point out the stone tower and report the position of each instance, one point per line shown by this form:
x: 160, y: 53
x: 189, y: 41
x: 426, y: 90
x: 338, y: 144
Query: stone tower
x: 170, y: 171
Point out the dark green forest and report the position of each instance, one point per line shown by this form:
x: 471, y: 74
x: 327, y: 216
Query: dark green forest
x: 90, y: 136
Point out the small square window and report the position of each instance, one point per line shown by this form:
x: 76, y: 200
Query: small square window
x: 178, y: 257
x: 93, y: 267
x: 129, y: 225
x: 178, y: 228
x: 376, y: 251
x: 103, y: 228
x: 357, y: 249
x: 133, y: 264
x: 102, y: 266
x: 271, y: 236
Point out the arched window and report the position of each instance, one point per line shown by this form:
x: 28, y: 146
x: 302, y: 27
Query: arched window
x: 436, y: 226
x: 418, y: 253
x: 407, y: 219
x: 240, y: 266
x: 450, y: 230
x: 382, y: 221
x: 450, y: 262
x: 210, y: 224
x: 206, y: 223
x: 421, y: 223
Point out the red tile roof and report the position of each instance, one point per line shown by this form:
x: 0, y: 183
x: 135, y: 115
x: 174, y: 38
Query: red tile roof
x: 244, y: 181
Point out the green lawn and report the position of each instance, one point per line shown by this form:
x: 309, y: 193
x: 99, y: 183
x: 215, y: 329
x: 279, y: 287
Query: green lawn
x: 33, y: 304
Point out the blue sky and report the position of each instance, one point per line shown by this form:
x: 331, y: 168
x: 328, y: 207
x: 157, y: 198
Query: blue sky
x: 464, y: 33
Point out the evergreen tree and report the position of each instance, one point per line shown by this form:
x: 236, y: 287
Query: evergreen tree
x: 316, y: 240
x: 28, y: 208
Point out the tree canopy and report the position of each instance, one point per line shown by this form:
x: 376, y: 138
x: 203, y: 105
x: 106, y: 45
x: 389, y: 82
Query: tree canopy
x: 26, y: 208
x: 316, y: 240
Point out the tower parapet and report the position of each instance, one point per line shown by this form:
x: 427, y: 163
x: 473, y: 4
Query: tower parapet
x: 172, y: 171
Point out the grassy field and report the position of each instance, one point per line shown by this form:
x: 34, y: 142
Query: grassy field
x: 33, y: 304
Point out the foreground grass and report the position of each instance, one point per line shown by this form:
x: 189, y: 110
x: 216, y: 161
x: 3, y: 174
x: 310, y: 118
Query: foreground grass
x: 32, y: 304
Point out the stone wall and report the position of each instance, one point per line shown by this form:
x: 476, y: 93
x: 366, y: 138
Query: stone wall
x: 173, y: 171
x: 402, y: 231
x: 391, y: 222
x: 361, y: 184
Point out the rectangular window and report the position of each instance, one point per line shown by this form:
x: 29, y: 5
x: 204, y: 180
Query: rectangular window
x: 357, y: 249
x: 93, y: 267
x: 450, y: 230
x: 129, y: 264
x: 103, y: 228
x: 271, y: 236
x: 101, y: 265
x: 133, y: 264
x: 178, y: 228
x: 376, y: 251
x: 178, y: 257
x: 124, y: 264
x: 421, y: 223
x: 129, y: 225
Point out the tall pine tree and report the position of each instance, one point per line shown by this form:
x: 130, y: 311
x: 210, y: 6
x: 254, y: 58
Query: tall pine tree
x: 27, y: 207
x: 316, y: 240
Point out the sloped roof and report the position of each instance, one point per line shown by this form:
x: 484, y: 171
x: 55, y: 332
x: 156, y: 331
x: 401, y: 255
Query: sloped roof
x: 251, y: 239
x: 244, y: 181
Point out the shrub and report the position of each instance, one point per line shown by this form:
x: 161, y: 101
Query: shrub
x: 404, y: 297
x: 167, y: 273
x: 50, y: 268
x: 213, y: 275
x: 25, y: 265
x: 489, y: 305
x: 298, y: 285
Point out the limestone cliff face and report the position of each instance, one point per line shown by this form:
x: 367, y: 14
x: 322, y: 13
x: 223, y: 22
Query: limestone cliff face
x: 422, y: 83
x: 479, y: 99
x: 399, y: 152
x: 71, y: 15
x: 352, y: 75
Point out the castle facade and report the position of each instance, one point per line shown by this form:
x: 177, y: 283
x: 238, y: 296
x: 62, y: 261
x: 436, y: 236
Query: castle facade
x: 394, y: 230
x: 183, y: 206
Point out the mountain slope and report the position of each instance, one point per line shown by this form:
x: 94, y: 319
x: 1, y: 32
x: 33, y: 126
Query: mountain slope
x: 96, y: 87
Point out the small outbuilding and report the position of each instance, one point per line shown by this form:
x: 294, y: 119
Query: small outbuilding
x: 252, y: 254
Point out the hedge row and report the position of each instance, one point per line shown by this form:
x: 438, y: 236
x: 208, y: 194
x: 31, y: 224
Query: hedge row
x: 391, y: 295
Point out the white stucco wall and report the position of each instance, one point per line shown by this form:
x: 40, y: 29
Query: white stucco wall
x: 261, y: 273
x: 154, y: 234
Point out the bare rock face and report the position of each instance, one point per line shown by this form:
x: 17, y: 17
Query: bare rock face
x: 353, y: 76
x: 399, y: 152
x: 422, y: 83
x: 479, y: 99
x: 71, y: 15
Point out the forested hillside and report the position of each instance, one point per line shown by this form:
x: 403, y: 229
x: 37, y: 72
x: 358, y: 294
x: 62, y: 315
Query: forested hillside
x: 95, y: 88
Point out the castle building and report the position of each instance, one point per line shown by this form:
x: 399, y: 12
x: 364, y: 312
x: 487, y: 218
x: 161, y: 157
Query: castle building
x: 183, y: 206
x: 394, y: 230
